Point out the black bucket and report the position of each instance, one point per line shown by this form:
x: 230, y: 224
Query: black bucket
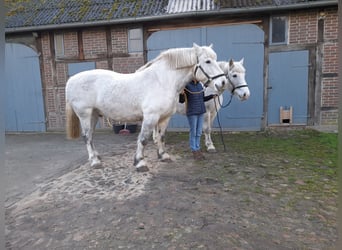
x: 132, y: 128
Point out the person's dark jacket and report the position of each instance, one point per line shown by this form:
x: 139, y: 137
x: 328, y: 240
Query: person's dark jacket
x: 195, y: 98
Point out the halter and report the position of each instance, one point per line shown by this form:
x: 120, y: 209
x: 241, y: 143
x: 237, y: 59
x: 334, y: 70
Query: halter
x: 232, y: 92
x: 209, y: 78
x: 235, y: 87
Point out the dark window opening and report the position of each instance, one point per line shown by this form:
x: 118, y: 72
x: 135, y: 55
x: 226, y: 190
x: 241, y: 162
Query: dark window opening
x: 278, y: 30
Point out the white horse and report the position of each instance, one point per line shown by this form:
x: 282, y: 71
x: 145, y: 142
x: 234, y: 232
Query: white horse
x: 237, y: 86
x: 148, y: 95
x: 235, y: 73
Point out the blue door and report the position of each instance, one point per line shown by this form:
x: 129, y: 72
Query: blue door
x: 165, y: 39
x: 230, y: 42
x: 24, y: 99
x: 236, y: 42
x: 288, y: 85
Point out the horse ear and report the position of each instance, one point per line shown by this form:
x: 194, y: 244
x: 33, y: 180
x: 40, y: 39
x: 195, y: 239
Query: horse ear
x: 231, y: 63
x: 195, y: 45
x: 211, y: 45
x: 241, y: 61
x: 197, y: 48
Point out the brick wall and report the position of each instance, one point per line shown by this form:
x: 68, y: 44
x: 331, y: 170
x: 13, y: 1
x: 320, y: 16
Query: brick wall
x: 94, y: 43
x: 329, y: 82
x: 119, y: 40
x: 49, y: 83
x: 93, y: 47
x: 303, y: 30
x: 108, y: 48
x: 303, y: 27
x: 70, y: 44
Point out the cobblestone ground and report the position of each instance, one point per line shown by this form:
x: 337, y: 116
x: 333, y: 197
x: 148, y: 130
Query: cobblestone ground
x: 227, y: 201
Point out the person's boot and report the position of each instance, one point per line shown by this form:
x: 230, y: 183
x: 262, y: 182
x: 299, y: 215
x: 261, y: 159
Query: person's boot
x: 200, y: 155
x: 195, y: 155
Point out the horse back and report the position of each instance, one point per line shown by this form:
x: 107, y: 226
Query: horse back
x: 122, y: 97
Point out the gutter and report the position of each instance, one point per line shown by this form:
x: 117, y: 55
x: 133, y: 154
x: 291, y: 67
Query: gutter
x: 230, y: 11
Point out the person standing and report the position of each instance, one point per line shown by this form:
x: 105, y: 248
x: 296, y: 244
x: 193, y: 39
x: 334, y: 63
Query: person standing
x: 193, y: 96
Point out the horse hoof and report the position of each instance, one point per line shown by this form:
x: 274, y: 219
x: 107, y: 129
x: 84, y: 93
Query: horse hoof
x: 141, y: 166
x: 211, y: 150
x: 164, y: 157
x: 142, y: 169
x: 96, y: 163
x: 166, y: 160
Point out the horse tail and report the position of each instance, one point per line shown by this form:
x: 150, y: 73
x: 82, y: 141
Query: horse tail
x: 72, y: 123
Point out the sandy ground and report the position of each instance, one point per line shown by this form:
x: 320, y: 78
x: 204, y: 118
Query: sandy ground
x: 55, y: 200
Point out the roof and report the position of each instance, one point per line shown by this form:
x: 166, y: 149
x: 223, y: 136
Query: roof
x: 45, y: 12
x: 24, y: 15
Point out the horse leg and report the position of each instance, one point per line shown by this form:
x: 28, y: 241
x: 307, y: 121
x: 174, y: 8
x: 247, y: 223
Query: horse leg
x: 208, y: 121
x: 94, y: 120
x: 161, y: 140
x: 155, y: 134
x: 88, y: 122
x: 147, y: 126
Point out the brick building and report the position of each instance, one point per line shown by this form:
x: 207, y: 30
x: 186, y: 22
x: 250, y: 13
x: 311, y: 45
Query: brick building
x: 71, y: 36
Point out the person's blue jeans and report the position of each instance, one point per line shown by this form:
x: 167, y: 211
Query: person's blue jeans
x: 196, y: 125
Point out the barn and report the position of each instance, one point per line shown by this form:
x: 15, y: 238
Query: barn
x: 289, y: 50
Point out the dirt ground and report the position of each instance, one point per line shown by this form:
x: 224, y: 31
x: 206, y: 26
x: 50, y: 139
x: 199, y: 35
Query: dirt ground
x: 228, y: 201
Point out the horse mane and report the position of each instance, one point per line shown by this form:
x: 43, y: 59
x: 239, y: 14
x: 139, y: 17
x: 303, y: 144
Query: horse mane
x: 180, y: 57
x: 176, y: 57
x: 226, y: 66
x: 145, y: 66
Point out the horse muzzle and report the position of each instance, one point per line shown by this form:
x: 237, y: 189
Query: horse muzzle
x: 244, y: 95
x: 220, y: 86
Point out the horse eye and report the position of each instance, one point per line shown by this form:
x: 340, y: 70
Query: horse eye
x: 235, y: 75
x: 207, y: 61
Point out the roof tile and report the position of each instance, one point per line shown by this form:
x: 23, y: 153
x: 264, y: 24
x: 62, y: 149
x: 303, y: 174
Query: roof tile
x: 32, y: 13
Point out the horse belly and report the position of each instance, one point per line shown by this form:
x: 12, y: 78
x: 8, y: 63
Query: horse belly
x: 121, y: 113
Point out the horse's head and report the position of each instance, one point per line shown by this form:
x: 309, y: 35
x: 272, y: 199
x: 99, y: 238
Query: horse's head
x: 207, y: 69
x: 235, y: 72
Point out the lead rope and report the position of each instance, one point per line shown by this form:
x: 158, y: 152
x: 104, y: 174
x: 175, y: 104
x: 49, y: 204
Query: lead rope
x: 225, y: 106
x: 218, y: 118
x: 219, y: 123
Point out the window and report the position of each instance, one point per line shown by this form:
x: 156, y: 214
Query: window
x: 59, y: 45
x: 278, y: 27
x: 74, y: 68
x: 135, y: 40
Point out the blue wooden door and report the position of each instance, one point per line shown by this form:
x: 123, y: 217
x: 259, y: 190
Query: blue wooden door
x: 24, y: 99
x: 288, y: 85
x: 230, y: 42
x: 236, y: 42
x: 165, y: 39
